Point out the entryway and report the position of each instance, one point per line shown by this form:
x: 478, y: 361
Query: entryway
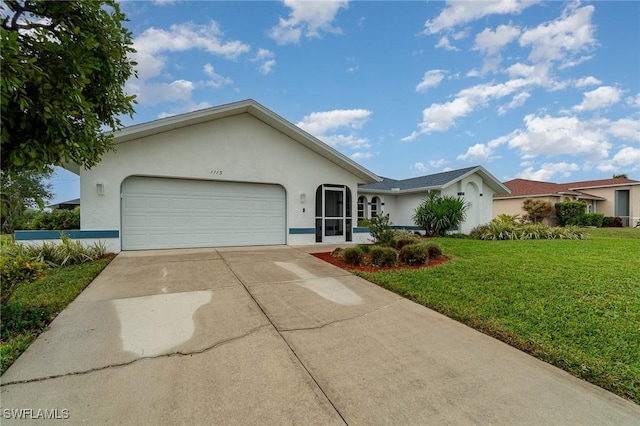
x: 333, y: 214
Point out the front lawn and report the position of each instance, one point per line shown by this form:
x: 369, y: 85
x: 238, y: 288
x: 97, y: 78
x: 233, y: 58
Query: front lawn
x: 572, y: 303
x: 33, y: 306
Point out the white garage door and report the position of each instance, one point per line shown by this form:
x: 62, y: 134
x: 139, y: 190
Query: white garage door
x: 179, y: 213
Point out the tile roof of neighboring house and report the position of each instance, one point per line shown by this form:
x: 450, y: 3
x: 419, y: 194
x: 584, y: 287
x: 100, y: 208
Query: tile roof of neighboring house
x: 524, y: 187
x: 434, y: 181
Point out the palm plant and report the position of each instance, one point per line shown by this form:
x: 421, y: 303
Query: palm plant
x: 439, y: 213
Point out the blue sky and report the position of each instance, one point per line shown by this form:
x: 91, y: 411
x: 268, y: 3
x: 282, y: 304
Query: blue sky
x: 538, y: 90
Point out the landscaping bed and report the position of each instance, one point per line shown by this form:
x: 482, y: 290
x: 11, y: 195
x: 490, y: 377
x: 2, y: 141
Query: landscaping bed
x: 367, y: 267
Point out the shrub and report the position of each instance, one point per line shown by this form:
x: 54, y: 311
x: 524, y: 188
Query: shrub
x: 380, y: 230
x: 433, y: 251
x: 438, y: 213
x: 499, y: 230
x: 67, y: 252
x: 15, y: 271
x: 591, y: 219
x: 383, y: 256
x: 54, y: 220
x: 364, y: 247
x: 612, y: 222
x: 398, y: 243
x: 338, y: 252
x: 414, y: 254
x: 569, y: 212
x: 537, y: 210
x: 353, y: 256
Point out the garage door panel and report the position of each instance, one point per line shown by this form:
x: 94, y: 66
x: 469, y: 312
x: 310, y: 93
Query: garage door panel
x: 174, y: 213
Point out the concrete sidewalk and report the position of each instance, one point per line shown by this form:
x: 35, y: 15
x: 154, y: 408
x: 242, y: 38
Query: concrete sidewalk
x: 272, y: 335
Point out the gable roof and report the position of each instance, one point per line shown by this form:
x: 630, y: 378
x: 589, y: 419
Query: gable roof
x: 248, y: 106
x: 436, y: 181
x: 521, y: 188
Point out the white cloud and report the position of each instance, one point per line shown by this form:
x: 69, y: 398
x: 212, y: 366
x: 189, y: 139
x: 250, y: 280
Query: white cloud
x: 587, y: 81
x: 179, y: 38
x: 461, y: 12
x: 328, y: 126
x: 215, y: 80
x: 445, y: 44
x: 362, y: 155
x: 601, y: 97
x: 419, y: 167
x: 306, y: 18
x: 441, y: 117
x: 547, y: 171
x: 562, y: 38
x: 155, y: 93
x: 491, y: 42
x: 478, y: 152
x: 322, y: 122
x: 625, y: 128
x: 266, y: 60
x: 625, y: 160
x: 518, y: 100
x: 184, y: 107
x: 152, y: 48
x: 551, y: 136
x: 430, y: 79
x: 634, y: 101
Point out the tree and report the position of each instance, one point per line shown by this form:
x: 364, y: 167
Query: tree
x: 437, y: 213
x: 621, y: 176
x: 64, y: 66
x: 537, y: 210
x: 22, y: 190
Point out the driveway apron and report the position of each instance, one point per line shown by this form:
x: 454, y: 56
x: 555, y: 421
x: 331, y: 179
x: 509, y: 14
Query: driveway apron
x: 272, y: 335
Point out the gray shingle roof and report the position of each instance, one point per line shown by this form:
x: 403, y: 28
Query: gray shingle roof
x: 436, y: 180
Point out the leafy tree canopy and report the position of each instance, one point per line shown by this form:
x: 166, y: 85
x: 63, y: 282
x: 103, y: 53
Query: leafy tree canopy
x: 64, y: 65
x: 22, y: 190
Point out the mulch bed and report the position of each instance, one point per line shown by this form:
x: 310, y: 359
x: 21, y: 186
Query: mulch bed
x: 337, y: 261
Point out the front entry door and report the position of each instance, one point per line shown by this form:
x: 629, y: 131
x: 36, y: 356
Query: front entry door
x: 334, y: 215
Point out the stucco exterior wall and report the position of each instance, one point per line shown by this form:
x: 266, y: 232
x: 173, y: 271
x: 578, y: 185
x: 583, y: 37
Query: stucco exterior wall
x: 401, y: 207
x: 239, y: 148
x: 607, y: 207
x: 513, y: 206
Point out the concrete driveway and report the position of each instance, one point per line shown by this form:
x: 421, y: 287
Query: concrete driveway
x: 272, y: 335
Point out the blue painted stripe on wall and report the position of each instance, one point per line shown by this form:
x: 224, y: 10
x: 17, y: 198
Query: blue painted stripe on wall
x: 55, y: 235
x: 299, y: 231
x: 407, y: 227
x: 360, y: 230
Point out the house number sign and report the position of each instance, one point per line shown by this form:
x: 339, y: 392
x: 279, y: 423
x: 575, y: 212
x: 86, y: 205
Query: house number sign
x: 216, y: 172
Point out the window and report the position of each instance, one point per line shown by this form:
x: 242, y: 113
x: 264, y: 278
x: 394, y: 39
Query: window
x: 375, y: 207
x: 362, y: 203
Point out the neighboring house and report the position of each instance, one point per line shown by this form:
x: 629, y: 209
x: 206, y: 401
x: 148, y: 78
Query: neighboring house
x: 240, y: 175
x: 66, y: 205
x: 619, y: 197
x: 399, y: 198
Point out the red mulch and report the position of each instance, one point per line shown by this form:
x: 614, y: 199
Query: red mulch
x: 337, y: 261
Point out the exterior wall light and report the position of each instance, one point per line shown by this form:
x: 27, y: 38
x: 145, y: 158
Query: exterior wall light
x: 100, y: 188
x: 303, y: 197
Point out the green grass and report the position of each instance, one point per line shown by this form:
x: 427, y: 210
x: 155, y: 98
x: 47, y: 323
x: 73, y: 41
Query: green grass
x: 34, y: 306
x: 572, y: 303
